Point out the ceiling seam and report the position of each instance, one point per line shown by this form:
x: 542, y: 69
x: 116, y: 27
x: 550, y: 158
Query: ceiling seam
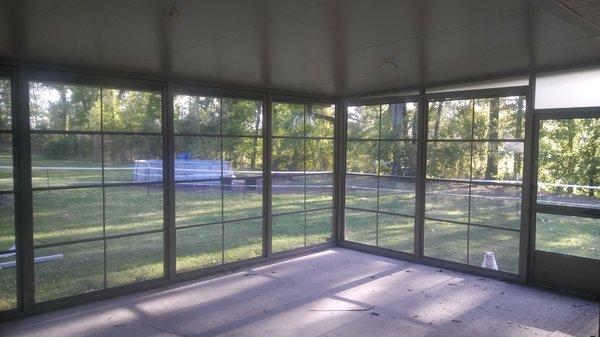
x: 41, y: 16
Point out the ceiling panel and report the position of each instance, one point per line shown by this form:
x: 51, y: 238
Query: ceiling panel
x: 331, y: 47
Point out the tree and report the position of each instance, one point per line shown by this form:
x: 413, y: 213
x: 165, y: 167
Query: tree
x: 399, y: 131
x: 438, y: 116
x: 568, y: 155
x: 257, y: 119
x: 5, y: 115
x: 518, y: 131
x: 491, y: 168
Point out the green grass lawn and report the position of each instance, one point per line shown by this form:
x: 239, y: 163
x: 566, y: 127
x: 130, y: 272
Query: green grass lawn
x: 77, y: 214
x: 6, y: 174
x: 67, y: 215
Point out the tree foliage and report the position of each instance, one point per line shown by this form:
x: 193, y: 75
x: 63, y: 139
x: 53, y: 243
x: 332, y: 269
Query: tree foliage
x: 568, y: 155
x: 382, y: 139
x: 477, y: 138
x: 310, y: 131
x: 5, y: 115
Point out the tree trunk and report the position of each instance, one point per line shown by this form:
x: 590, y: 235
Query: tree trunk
x: 257, y: 113
x: 64, y: 111
x: 491, y: 169
x: 436, y: 128
x: 518, y: 160
x: 593, y: 168
x: 398, y: 112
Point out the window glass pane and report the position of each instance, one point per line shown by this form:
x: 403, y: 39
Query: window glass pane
x: 288, y: 119
x: 503, y: 244
x: 319, y: 191
x: 8, y: 274
x: 66, y: 215
x: 243, y: 240
x: 134, y: 259
x: 319, y: 227
x: 474, y: 178
x: 68, y: 270
x: 7, y: 224
x: 399, y: 121
x: 132, y: 158
x: 450, y: 119
x: 73, y: 159
x: 199, y: 158
x: 243, y: 199
x: 131, y: 209
x: 361, y: 227
x: 288, y: 155
x: 397, y: 195
x: 495, y: 205
x: 568, y: 162
x: 363, y: 122
x: 65, y: 160
x: 449, y: 160
x: 319, y: 120
x: 319, y: 155
x: 287, y: 192
x: 498, y: 161
x: 446, y: 241
x: 197, y: 114
x: 396, y: 232
x: 571, y: 235
x: 288, y: 231
x: 243, y: 157
x: 398, y: 158
x: 242, y: 117
x: 361, y: 192
x: 131, y: 111
x: 6, y: 162
x: 287, y: 175
x: 199, y: 247
x: 577, y: 88
x: 302, y: 172
x: 8, y: 271
x: 499, y: 118
x: 447, y: 201
x: 362, y: 157
x: 5, y: 105
x: 197, y: 203
x: 64, y: 107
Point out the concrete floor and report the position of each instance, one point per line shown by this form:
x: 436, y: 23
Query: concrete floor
x: 337, y: 292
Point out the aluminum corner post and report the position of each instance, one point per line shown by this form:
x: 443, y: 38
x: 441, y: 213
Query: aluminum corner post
x: 420, y: 181
x: 170, y: 258
x: 340, y: 170
x: 267, y: 229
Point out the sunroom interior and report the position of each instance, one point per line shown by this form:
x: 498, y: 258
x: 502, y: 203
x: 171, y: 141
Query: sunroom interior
x: 299, y: 168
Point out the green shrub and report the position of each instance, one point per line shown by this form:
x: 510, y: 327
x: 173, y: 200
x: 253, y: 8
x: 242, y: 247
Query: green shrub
x: 67, y: 147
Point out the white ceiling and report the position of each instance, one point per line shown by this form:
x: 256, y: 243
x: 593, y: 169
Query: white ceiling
x: 329, y: 47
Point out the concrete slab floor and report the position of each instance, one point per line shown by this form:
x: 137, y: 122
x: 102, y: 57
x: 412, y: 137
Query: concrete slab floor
x: 337, y: 292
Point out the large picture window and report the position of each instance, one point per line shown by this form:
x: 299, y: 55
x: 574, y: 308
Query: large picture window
x: 474, y: 180
x: 218, y: 180
x: 97, y: 179
x: 8, y: 274
x: 302, y: 174
x: 381, y: 169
